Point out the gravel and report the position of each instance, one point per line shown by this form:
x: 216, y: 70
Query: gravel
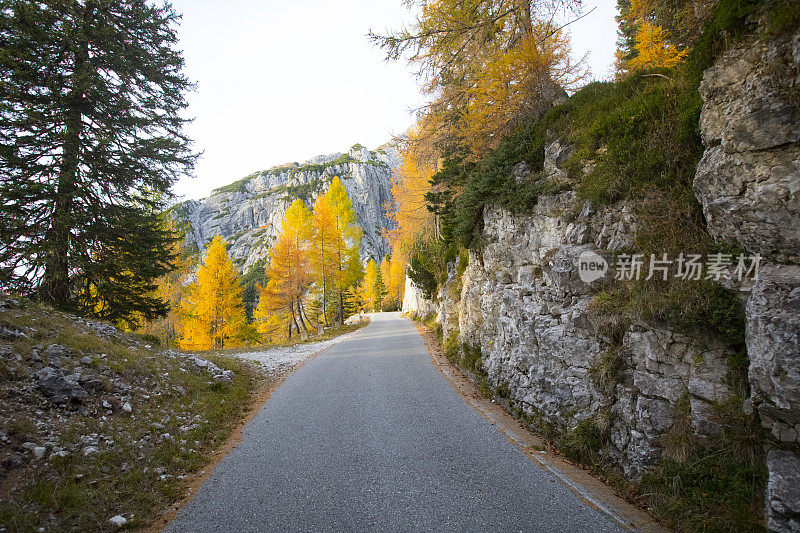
x: 277, y: 360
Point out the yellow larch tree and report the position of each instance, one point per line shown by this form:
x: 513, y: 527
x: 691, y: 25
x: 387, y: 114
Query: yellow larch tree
x: 483, y: 62
x: 270, y: 315
x: 367, y: 288
x: 394, y: 277
x: 411, y: 220
x: 214, y: 310
x: 654, y: 49
x: 172, y: 288
x: 654, y: 35
x: 346, y: 242
x: 289, y: 273
x: 323, y: 253
x: 516, y: 84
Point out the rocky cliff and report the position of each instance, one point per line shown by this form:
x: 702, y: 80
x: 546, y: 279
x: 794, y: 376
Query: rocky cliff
x: 248, y: 213
x: 522, y: 303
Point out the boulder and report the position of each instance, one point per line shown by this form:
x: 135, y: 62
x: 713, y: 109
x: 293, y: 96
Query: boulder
x: 60, y: 389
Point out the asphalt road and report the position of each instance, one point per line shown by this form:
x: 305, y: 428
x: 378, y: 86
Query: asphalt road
x: 370, y: 436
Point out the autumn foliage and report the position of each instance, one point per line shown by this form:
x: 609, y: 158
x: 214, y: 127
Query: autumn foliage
x: 487, y: 65
x: 654, y: 35
x: 214, y: 310
x: 289, y: 274
x: 314, y: 268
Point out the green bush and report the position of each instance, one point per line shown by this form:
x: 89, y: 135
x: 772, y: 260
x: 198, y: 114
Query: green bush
x: 583, y: 443
x: 714, y: 484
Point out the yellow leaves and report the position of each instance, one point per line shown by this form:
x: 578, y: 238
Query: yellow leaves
x: 214, y: 311
x: 319, y: 246
x: 515, y: 84
x: 324, y: 233
x: 272, y: 313
x: 290, y: 266
x: 653, y: 46
x: 367, y: 288
x: 289, y: 273
x: 393, y: 272
x: 654, y: 49
x: 409, y: 210
x: 297, y: 221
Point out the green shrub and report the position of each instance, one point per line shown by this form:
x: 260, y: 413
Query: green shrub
x: 714, y: 484
x: 583, y: 442
x: 451, y: 349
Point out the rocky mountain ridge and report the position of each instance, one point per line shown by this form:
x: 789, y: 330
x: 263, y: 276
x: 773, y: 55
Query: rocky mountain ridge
x: 248, y: 213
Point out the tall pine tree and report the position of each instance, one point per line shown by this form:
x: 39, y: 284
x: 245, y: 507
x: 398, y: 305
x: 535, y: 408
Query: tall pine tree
x: 90, y: 142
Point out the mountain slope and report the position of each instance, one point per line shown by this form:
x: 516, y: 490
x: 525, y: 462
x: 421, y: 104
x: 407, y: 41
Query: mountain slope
x: 248, y: 212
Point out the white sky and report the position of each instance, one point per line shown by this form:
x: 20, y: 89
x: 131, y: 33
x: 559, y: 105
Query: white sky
x: 282, y: 81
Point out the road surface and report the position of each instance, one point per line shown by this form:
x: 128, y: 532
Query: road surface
x: 370, y: 436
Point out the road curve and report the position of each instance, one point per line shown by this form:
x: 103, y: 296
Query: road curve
x: 370, y: 436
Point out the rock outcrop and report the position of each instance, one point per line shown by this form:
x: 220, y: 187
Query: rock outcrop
x: 414, y: 301
x: 749, y: 178
x: 249, y: 212
x: 523, y: 303
x: 749, y: 185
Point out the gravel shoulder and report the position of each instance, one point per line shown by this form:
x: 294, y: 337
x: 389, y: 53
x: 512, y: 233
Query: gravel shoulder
x: 277, y: 361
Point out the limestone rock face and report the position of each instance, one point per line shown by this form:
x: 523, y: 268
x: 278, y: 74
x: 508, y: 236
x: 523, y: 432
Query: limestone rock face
x: 773, y: 346
x: 749, y: 178
x: 248, y: 213
x: 749, y: 185
x: 522, y: 301
x: 415, y: 303
x: 663, y: 368
x: 783, y: 491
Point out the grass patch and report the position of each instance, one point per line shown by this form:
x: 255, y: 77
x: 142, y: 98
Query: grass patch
x: 236, y: 186
x: 711, y: 484
x: 584, y: 442
x: 688, y: 306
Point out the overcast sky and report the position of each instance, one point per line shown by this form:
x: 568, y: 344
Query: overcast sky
x: 284, y: 81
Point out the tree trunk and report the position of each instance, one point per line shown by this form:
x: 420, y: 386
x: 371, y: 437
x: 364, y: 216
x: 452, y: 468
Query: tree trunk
x: 302, y: 331
x: 524, y: 17
x: 55, y: 285
x: 302, y: 314
x: 341, y: 308
x: 324, y: 284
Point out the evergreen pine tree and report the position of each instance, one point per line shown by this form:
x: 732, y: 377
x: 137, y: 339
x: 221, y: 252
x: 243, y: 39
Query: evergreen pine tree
x: 90, y: 142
